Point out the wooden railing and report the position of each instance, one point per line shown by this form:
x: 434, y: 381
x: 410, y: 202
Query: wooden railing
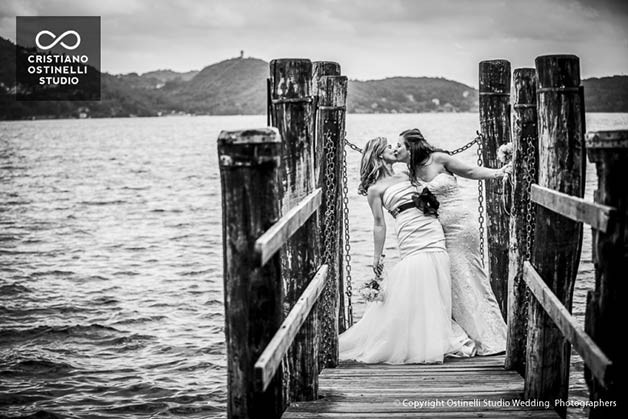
x: 572, y: 207
x: 592, y: 355
x: 597, y: 216
x: 270, y: 359
x: 276, y: 236
x: 542, y: 329
x: 280, y: 262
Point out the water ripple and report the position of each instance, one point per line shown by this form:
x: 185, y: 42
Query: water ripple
x: 111, y: 299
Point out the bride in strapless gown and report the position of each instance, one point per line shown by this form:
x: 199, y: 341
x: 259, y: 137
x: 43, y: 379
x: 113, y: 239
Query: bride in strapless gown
x: 414, y: 322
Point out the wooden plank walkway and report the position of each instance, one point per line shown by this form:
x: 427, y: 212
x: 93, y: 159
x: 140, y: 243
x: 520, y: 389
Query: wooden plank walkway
x: 460, y: 388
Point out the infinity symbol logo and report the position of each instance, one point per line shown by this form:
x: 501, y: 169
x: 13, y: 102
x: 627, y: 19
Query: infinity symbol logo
x: 56, y: 40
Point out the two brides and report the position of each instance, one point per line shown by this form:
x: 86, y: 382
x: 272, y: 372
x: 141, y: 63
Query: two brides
x: 438, y: 300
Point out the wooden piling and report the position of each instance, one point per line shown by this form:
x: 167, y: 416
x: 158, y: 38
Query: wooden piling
x: 292, y: 113
x: 321, y: 69
x: 609, y: 151
x: 332, y: 96
x: 525, y: 150
x: 557, y: 239
x: 249, y: 164
x: 495, y: 128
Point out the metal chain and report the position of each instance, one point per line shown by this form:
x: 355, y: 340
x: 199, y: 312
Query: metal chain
x: 353, y: 146
x: 466, y: 146
x: 456, y: 151
x: 329, y: 238
x: 479, y: 139
x: 345, y: 204
x: 529, y: 177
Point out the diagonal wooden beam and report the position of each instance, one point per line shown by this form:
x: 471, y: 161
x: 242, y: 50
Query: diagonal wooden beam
x: 596, y: 215
x: 593, y: 357
x: 276, y: 236
x: 270, y: 359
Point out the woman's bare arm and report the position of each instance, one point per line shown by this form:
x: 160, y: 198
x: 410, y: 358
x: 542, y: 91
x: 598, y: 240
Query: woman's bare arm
x: 468, y: 171
x: 379, y: 224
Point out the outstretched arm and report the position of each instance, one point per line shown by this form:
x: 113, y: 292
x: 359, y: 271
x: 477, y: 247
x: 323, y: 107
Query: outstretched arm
x: 468, y: 171
x: 379, y: 226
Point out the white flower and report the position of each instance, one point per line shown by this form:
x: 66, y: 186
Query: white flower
x: 368, y: 291
x: 504, y: 153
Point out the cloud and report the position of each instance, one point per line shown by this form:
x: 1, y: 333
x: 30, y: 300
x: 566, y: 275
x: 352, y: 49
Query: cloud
x: 371, y: 38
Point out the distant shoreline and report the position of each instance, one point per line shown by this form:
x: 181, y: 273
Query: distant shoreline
x: 260, y: 115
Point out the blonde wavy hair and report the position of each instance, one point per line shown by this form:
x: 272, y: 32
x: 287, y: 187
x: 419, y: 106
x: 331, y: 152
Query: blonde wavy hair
x: 372, y: 167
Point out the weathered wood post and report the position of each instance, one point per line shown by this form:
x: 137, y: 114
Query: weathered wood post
x: 606, y: 305
x: 495, y: 128
x: 332, y: 96
x: 557, y: 239
x: 525, y: 149
x: 251, y: 194
x: 291, y: 83
x: 320, y: 69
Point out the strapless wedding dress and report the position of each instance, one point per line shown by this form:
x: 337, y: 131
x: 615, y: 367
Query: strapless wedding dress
x: 414, y: 322
x: 474, y: 305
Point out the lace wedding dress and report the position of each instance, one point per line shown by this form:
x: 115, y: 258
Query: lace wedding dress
x: 474, y: 305
x: 413, y: 324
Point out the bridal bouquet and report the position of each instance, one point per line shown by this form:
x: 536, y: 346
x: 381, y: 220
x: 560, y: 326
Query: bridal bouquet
x: 504, y: 153
x: 372, y: 290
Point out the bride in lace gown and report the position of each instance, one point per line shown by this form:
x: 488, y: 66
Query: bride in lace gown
x: 474, y: 305
x: 413, y: 324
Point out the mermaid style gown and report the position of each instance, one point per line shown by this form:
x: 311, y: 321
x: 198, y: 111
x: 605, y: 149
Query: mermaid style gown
x: 413, y: 324
x: 474, y: 305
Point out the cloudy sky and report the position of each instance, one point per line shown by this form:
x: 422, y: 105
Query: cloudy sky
x: 370, y: 38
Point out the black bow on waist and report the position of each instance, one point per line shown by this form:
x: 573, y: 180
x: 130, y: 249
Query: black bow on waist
x: 426, y: 201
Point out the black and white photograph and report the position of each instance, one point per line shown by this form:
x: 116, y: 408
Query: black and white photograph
x: 298, y: 209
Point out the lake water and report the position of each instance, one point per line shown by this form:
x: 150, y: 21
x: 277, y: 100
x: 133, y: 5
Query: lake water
x: 111, y: 298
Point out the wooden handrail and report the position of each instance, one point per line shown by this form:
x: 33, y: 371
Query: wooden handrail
x: 596, y: 215
x: 270, y: 359
x: 593, y: 357
x: 276, y: 236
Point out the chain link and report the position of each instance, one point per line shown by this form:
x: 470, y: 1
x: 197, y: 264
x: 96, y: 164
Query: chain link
x: 329, y: 244
x: 466, y: 146
x: 345, y: 210
x: 480, y: 141
x: 353, y: 146
x: 456, y: 151
x: 529, y: 178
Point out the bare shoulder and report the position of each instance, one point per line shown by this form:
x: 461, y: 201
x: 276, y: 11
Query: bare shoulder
x: 441, y: 157
x: 377, y: 189
x: 374, y: 190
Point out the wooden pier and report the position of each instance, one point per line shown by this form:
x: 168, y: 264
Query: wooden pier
x: 472, y: 388
x: 287, y: 271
